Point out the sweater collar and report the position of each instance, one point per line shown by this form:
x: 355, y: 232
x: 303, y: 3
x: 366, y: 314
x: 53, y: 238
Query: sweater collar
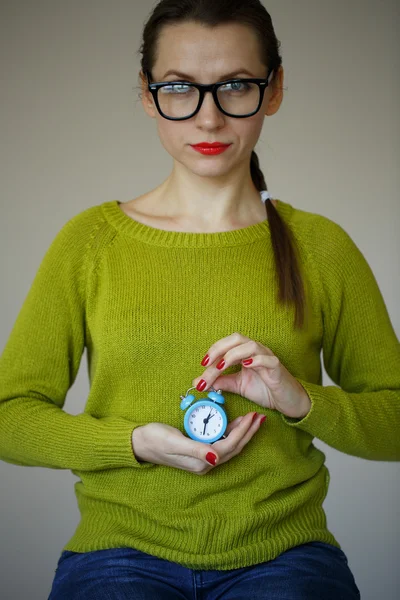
x: 161, y: 237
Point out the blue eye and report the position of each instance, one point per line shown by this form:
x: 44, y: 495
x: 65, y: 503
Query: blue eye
x: 245, y: 86
x: 179, y: 88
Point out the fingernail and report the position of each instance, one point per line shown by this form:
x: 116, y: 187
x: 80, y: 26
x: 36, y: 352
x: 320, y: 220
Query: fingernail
x: 262, y: 419
x: 221, y: 364
x: 254, y: 417
x: 205, y: 360
x: 247, y: 362
x: 211, y: 458
x: 201, y: 385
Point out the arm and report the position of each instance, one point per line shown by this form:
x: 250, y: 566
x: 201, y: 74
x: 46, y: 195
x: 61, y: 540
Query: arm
x: 40, y: 362
x: 361, y: 355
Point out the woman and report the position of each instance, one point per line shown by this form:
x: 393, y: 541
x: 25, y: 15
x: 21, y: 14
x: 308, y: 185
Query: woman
x: 193, y: 284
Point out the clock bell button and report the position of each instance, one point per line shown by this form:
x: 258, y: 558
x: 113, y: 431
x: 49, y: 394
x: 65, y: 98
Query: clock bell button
x: 186, y: 401
x: 217, y: 397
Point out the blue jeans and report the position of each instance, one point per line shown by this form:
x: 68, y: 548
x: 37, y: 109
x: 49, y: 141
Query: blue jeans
x: 313, y: 571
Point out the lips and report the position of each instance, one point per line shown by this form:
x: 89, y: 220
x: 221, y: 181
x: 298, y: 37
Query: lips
x: 213, y: 145
x: 211, y: 150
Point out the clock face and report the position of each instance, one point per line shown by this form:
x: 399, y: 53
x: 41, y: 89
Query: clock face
x: 205, y: 421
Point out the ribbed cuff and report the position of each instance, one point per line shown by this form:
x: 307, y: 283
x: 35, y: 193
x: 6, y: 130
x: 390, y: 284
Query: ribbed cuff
x: 323, y: 414
x: 115, y: 443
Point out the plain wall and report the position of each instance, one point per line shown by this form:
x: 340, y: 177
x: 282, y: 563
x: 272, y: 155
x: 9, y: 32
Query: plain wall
x: 74, y: 134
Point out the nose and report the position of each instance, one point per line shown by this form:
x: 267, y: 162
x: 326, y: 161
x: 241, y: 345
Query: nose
x: 209, y: 114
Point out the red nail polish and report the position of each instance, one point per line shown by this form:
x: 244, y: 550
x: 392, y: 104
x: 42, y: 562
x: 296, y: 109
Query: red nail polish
x: 205, y: 360
x: 221, y: 364
x: 254, y: 417
x: 211, y: 458
x: 201, y: 385
x: 247, y: 362
x: 262, y: 419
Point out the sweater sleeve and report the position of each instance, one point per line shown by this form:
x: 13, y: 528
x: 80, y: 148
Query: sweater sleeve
x: 40, y: 362
x: 361, y: 354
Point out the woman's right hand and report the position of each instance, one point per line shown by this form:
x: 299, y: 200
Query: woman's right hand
x: 162, y: 444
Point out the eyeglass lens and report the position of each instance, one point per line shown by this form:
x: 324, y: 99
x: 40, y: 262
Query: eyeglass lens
x: 181, y: 100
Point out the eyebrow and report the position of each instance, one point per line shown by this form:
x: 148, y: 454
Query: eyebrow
x: 190, y: 78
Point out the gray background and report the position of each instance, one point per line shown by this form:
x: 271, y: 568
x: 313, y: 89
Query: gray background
x: 74, y: 134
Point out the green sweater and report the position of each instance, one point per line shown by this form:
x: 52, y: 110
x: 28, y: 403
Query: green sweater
x: 147, y: 304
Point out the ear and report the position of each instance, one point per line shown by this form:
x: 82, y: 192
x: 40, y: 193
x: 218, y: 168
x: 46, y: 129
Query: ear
x: 276, y: 97
x: 147, y: 98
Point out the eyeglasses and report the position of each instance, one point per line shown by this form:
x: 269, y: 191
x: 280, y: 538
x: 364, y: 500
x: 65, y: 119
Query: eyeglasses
x: 179, y: 100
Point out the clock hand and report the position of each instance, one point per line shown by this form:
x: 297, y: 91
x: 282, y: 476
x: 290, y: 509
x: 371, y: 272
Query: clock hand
x: 205, y: 421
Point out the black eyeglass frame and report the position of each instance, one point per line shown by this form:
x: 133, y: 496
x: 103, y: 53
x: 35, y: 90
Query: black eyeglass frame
x: 213, y: 88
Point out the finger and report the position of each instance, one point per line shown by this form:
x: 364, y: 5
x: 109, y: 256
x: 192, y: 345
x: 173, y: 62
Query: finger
x: 223, y: 345
x: 249, y: 425
x: 233, y: 424
x: 255, y: 426
x: 184, y: 446
x: 270, y: 361
x: 246, y: 351
x: 217, y: 351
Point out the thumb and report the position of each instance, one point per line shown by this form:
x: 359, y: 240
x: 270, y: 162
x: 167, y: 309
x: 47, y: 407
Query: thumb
x: 199, y: 450
x: 228, y: 383
x: 211, y: 456
x: 205, y: 452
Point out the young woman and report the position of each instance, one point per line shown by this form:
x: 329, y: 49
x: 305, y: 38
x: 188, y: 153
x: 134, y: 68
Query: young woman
x: 203, y: 281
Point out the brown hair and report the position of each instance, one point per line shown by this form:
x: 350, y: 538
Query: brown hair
x: 252, y: 13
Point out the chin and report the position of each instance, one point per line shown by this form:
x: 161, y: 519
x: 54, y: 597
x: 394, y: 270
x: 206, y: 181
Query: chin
x: 209, y: 170
x: 209, y: 165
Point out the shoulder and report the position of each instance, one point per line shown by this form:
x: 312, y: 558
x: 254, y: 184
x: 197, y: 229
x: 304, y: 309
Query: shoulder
x: 328, y: 253
x: 305, y: 221
x: 318, y: 235
x: 84, y: 223
x: 85, y: 230
x: 79, y: 244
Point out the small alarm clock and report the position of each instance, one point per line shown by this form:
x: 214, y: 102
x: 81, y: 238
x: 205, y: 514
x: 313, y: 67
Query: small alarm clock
x: 205, y: 420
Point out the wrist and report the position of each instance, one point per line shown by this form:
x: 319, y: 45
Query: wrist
x: 305, y: 405
x: 137, y: 444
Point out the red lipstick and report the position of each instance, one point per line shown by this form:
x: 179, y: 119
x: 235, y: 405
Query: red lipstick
x: 210, y: 149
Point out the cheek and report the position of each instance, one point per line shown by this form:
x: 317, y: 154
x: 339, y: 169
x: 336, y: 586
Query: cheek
x: 251, y: 130
x: 171, y: 135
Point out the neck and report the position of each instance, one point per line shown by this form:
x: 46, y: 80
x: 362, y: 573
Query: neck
x: 210, y: 202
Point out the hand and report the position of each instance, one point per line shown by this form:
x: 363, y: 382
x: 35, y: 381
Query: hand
x: 164, y: 445
x: 266, y: 381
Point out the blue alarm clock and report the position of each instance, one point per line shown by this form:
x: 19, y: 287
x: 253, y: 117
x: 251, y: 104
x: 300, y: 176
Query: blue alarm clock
x: 205, y: 420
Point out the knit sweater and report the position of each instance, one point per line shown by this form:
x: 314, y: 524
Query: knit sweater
x: 147, y: 304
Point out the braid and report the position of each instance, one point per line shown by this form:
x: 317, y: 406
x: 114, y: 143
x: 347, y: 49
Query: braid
x: 291, y: 289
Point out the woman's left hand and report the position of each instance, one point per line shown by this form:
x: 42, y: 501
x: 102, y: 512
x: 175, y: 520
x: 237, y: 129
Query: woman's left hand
x: 265, y: 381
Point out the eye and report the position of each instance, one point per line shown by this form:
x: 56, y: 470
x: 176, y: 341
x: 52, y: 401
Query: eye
x: 176, y: 88
x: 236, y: 86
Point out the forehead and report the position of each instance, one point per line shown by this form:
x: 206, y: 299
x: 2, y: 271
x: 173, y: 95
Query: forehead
x: 207, y: 51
